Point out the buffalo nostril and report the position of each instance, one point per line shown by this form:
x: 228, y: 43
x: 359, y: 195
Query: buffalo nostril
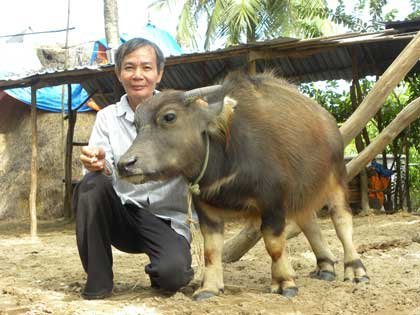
x: 126, y: 166
x: 131, y: 161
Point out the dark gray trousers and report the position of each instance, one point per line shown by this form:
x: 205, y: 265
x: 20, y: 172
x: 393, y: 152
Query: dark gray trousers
x: 102, y: 220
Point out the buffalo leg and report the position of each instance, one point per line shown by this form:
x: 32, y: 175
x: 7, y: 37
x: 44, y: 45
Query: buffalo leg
x: 342, y: 219
x: 282, y: 273
x: 212, y: 283
x: 324, y: 257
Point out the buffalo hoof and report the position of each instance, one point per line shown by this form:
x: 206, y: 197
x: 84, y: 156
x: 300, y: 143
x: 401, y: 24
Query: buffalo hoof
x: 289, y: 292
x: 363, y: 279
x: 323, y: 275
x: 203, y: 295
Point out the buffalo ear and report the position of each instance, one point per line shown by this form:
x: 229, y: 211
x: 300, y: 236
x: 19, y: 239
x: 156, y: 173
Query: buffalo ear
x: 230, y: 102
x: 215, y: 101
x: 219, y: 106
x: 212, y: 95
x: 212, y: 105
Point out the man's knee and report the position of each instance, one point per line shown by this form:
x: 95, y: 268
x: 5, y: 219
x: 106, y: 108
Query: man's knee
x: 94, y: 181
x: 91, y: 190
x: 173, y: 273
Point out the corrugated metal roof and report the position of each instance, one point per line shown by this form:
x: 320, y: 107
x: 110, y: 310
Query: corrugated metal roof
x: 323, y: 58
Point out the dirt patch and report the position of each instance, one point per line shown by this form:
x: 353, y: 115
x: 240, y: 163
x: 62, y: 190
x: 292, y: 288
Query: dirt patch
x: 45, y: 276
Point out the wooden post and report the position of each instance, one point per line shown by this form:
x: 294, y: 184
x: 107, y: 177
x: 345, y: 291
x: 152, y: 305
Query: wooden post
x: 252, y: 66
x: 34, y: 165
x: 71, y: 114
x: 356, y: 99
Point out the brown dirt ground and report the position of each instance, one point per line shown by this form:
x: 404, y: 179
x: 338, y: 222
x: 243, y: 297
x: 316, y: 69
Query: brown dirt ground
x: 45, y: 276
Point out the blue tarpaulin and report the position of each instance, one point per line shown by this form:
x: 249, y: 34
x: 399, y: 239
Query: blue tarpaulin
x: 50, y: 98
x: 382, y: 170
x: 160, y: 37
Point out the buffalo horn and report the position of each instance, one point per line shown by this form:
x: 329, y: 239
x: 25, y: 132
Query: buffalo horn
x: 203, y: 92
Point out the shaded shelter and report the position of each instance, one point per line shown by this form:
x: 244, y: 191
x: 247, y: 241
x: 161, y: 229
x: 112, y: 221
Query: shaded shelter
x: 324, y: 58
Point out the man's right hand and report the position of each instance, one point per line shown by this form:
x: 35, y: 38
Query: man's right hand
x: 93, y: 159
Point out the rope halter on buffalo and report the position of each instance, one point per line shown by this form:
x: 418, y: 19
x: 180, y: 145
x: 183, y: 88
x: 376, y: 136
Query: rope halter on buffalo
x: 194, y: 188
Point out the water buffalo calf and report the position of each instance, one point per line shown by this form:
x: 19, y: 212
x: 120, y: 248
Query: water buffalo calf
x: 274, y: 154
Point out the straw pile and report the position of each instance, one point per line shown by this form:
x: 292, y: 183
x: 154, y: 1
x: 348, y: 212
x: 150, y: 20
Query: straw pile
x: 15, y: 159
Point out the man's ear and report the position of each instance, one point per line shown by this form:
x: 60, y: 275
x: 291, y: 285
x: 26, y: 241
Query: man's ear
x: 160, y: 75
x: 117, y: 73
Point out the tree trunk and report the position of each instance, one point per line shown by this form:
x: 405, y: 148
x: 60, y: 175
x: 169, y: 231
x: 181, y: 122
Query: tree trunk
x: 112, y: 33
x: 407, y: 175
x: 397, y: 193
x: 239, y: 245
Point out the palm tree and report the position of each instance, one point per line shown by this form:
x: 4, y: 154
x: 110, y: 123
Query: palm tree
x: 111, y: 24
x: 238, y: 21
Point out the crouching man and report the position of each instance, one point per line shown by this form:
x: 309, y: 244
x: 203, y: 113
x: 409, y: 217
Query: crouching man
x: 148, y: 218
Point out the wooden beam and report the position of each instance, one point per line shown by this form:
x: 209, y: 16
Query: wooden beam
x: 409, y: 114
x: 34, y: 166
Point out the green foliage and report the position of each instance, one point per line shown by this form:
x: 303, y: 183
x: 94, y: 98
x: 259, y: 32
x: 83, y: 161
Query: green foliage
x: 338, y: 103
x: 415, y: 6
x: 237, y: 21
x: 415, y: 178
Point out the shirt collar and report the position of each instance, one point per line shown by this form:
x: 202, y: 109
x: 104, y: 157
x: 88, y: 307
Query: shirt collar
x: 123, y: 108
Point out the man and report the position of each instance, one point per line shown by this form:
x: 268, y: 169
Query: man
x: 149, y: 218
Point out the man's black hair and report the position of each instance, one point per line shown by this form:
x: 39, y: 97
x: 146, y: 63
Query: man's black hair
x: 133, y: 44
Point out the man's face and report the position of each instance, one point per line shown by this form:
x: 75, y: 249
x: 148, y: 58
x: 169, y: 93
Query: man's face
x: 139, y: 75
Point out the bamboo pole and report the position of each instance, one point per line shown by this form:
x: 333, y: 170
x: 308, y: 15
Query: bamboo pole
x: 63, y: 116
x: 34, y: 166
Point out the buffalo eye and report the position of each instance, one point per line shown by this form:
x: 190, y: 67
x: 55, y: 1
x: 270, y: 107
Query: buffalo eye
x: 169, y: 117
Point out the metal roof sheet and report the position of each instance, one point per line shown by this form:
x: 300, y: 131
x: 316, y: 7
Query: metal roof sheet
x: 323, y: 58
